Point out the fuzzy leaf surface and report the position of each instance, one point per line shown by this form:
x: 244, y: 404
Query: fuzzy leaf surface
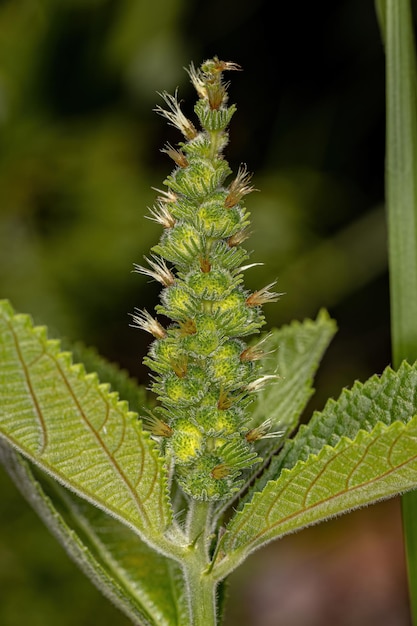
x: 296, y: 353
x: 358, y: 450
x: 120, y: 381
x: 63, y: 420
x: 145, y: 585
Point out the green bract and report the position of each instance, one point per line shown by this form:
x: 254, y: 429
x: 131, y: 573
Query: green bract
x: 205, y: 376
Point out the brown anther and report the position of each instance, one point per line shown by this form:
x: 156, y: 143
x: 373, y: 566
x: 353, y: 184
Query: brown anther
x: 263, y: 431
x: 161, y: 215
x: 205, y: 265
x: 180, y: 366
x: 253, y: 435
x: 262, y: 296
x: 158, y: 270
x: 145, y: 321
x: 224, y: 402
x: 176, y: 155
x: 166, y: 196
x: 220, y: 471
x: 231, y: 200
x: 175, y: 116
x: 222, y: 66
x: 216, y: 96
x: 188, y: 327
x: 238, y: 238
x: 156, y: 426
x: 239, y: 187
x: 162, y: 430
x: 252, y: 353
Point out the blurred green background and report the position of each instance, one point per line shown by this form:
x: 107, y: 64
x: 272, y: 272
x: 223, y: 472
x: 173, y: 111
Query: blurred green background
x: 79, y: 153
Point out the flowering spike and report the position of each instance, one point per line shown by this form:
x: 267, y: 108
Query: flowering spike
x: 204, y: 373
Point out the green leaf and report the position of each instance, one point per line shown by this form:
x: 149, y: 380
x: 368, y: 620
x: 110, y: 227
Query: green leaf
x: 63, y: 420
x: 120, y: 381
x: 390, y: 397
x: 296, y: 353
x: 145, y: 585
x: 358, y: 450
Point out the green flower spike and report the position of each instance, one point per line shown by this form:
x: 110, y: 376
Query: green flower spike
x: 205, y: 375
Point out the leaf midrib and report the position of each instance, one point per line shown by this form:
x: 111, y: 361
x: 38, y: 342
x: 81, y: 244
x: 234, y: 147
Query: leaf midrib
x: 259, y: 537
x: 44, y: 443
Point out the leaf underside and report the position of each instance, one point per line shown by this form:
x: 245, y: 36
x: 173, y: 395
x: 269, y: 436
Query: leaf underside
x: 74, y: 429
x: 145, y: 585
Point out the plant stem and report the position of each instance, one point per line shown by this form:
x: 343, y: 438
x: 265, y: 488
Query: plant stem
x: 202, y: 596
x: 200, y: 584
x: 401, y: 179
x: 396, y: 24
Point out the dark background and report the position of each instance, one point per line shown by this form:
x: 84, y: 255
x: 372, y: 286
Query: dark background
x: 80, y: 151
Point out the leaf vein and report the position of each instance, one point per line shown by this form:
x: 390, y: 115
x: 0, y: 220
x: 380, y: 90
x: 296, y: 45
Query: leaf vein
x: 44, y: 434
x: 101, y: 442
x: 320, y: 502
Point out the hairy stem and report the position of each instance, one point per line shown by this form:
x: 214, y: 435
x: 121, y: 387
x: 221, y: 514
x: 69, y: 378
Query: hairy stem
x: 202, y: 596
x: 200, y: 585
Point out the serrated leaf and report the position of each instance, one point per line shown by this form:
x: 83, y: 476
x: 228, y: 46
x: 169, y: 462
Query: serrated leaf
x: 120, y: 381
x: 63, y: 420
x: 145, y: 585
x: 358, y: 450
x: 386, y: 398
x: 296, y: 353
x: 374, y: 466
